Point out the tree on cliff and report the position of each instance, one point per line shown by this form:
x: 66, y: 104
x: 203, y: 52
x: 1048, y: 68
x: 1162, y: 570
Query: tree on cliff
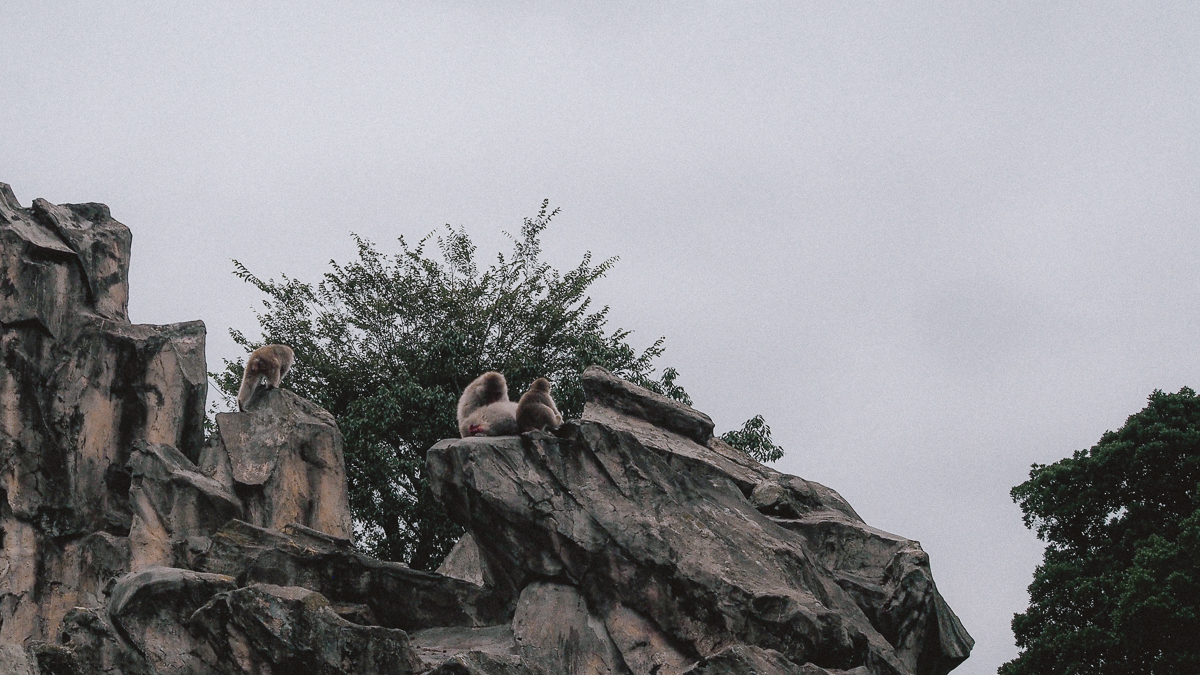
x: 387, y: 343
x: 1119, y: 588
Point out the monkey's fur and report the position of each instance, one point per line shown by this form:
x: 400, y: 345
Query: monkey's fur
x: 536, y: 410
x: 484, y: 408
x: 269, y: 362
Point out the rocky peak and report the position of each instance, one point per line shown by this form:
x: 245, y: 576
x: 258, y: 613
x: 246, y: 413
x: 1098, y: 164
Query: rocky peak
x: 628, y: 542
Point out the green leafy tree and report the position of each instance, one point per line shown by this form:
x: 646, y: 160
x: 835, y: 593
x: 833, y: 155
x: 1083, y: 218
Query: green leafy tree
x: 1118, y: 591
x: 754, y: 439
x: 388, y: 342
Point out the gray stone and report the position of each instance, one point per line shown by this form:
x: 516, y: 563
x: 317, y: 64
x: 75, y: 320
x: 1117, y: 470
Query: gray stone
x: 465, y: 562
x: 606, y: 390
x: 434, y: 646
x: 80, y: 386
x: 272, y: 629
x: 89, y: 644
x: 659, y: 531
x: 14, y: 660
x: 287, y: 464
x: 556, y: 633
x: 397, y: 596
x: 172, y: 503
x: 750, y: 660
x: 482, y: 663
x: 643, y: 647
x: 152, y: 609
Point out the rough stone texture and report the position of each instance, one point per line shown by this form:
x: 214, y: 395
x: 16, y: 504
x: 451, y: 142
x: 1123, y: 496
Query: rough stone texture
x: 15, y: 660
x: 272, y: 629
x: 79, y: 386
x: 555, y: 632
x: 287, y: 463
x: 390, y: 593
x: 631, y: 542
x: 152, y: 609
x: 89, y: 644
x: 465, y: 562
x: 103, y: 468
x: 434, y: 646
x: 172, y: 502
x: 605, y: 390
x: 481, y: 663
x: 749, y: 660
x: 663, y: 537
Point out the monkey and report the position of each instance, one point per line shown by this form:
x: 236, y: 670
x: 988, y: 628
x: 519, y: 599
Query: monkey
x: 484, y: 408
x: 536, y: 410
x: 269, y: 362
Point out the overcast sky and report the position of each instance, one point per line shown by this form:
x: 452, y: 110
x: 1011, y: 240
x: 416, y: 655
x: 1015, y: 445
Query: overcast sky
x: 931, y: 243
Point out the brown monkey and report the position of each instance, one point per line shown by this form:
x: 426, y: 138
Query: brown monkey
x: 484, y: 408
x: 536, y: 410
x: 270, y: 363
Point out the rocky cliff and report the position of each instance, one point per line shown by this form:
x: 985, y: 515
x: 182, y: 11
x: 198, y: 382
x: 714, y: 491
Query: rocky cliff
x: 629, y: 542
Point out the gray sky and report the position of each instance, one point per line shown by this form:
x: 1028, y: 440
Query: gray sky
x: 931, y: 243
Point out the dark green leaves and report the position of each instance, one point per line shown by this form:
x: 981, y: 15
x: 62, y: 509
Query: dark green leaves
x: 754, y: 439
x: 1119, y: 588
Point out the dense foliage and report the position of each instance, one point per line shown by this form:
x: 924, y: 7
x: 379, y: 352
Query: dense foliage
x: 1118, y: 591
x: 387, y: 343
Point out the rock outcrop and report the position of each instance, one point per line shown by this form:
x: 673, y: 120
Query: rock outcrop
x: 629, y: 542
x: 679, y: 547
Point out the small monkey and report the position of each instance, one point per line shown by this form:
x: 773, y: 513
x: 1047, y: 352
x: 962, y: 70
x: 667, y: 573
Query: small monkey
x: 536, y: 410
x: 484, y: 408
x: 269, y: 362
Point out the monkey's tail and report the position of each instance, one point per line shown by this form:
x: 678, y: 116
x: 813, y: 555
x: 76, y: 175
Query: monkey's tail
x: 249, y: 384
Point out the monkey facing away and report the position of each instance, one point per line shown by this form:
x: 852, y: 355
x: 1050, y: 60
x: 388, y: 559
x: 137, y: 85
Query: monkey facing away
x: 536, y: 410
x: 484, y: 408
x: 270, y: 363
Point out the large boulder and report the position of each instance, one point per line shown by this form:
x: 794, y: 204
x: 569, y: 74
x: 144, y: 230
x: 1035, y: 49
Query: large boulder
x: 287, y: 464
x: 687, y: 549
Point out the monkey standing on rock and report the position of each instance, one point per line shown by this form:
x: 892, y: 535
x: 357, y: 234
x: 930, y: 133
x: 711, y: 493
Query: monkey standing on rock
x: 536, y: 410
x: 269, y: 362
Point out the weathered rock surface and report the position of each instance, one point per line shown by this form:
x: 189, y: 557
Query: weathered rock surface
x: 107, y: 488
x: 172, y: 502
x: 630, y: 542
x: 153, y: 607
x: 79, y: 387
x: 287, y: 465
x: 748, y: 660
x: 693, y: 547
x: 272, y: 629
x: 383, y: 593
x: 15, y: 660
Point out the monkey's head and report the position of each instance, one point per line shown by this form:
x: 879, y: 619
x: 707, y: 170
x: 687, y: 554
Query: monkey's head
x: 493, y: 386
x: 540, y: 384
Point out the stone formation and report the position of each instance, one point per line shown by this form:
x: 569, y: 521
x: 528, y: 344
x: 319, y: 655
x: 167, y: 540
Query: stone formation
x: 629, y: 542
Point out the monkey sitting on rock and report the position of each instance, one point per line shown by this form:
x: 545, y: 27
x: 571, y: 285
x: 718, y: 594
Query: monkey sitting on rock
x: 269, y: 363
x: 484, y: 408
x: 536, y: 410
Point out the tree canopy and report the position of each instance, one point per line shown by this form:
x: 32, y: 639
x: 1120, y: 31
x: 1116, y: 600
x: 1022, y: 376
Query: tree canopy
x: 388, y: 342
x: 1118, y: 591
